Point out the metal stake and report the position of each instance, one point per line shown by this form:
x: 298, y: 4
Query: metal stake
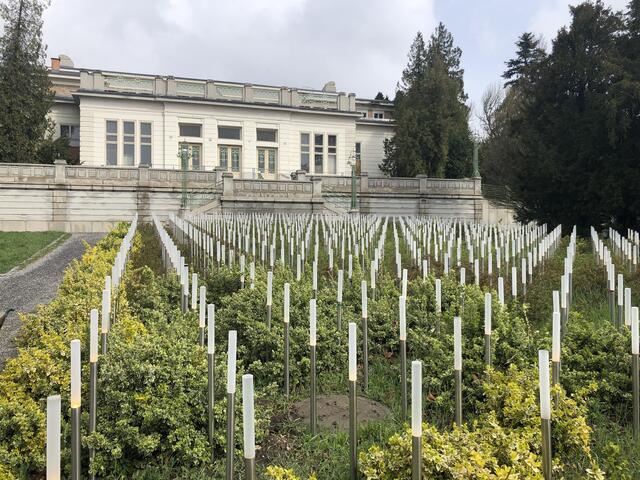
x: 313, y: 406
x: 250, y: 468
x: 458, y: 413
x: 230, y: 433
x: 546, y: 448
x: 403, y: 376
x: 365, y: 355
x: 75, y: 444
x: 555, y: 380
x: 353, y: 435
x: 487, y: 350
x: 636, y: 396
x: 211, y: 382
x: 93, y: 377
x: 269, y: 317
x: 339, y: 321
x: 286, y: 359
x: 416, y: 458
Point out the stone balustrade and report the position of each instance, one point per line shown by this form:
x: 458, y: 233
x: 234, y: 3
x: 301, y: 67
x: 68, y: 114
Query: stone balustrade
x: 161, y: 86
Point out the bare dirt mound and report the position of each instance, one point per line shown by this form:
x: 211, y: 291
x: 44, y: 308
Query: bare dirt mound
x: 333, y: 411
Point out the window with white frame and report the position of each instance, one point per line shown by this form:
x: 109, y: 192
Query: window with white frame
x: 145, y: 143
x: 112, y: 142
x: 267, y: 159
x: 229, y: 157
x: 304, y: 151
x: 378, y: 115
x: 191, y: 155
x: 318, y: 153
x: 72, y: 132
x: 332, y: 153
x: 267, y: 135
x: 128, y: 143
x: 229, y: 133
x: 193, y: 130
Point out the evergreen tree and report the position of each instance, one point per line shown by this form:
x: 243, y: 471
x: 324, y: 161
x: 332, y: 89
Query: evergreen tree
x: 579, y: 130
x: 528, y: 58
x: 25, y: 89
x: 432, y: 133
x: 381, y: 96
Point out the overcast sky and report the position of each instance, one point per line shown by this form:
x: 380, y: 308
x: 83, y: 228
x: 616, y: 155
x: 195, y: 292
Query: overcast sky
x: 360, y: 44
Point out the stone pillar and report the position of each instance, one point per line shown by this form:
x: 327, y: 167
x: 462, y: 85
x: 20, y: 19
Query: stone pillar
x: 143, y: 194
x: 316, y: 188
x: 211, y: 90
x: 301, y: 175
x: 423, y: 183
x: 60, y: 175
x: 227, y: 184
x: 364, y: 182
x: 343, y: 102
x: 248, y: 93
x: 352, y: 102
x: 285, y: 96
x: 160, y: 86
x: 172, y: 87
x: 98, y: 81
x: 59, y: 197
x: 295, y: 98
x: 218, y: 170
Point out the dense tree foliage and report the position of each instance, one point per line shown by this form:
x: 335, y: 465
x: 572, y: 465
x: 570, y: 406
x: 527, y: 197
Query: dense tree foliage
x: 432, y: 132
x: 25, y: 94
x: 566, y: 138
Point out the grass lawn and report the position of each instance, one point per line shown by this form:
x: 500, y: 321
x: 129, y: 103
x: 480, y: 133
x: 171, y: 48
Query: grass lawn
x: 16, y: 247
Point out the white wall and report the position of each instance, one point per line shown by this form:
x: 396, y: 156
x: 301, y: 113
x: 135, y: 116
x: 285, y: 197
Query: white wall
x: 165, y: 117
x: 371, y: 138
x: 64, y: 114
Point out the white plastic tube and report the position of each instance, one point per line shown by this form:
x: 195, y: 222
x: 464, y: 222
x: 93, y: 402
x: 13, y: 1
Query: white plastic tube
x: 312, y: 322
x: 340, y: 282
x: 438, y: 295
x: 287, y: 301
x: 202, y: 306
x: 635, y: 347
x: 555, y: 337
x: 269, y: 287
x: 54, y: 416
x: 545, y: 389
x: 501, y: 291
x: 211, y: 328
x: 457, y: 343
x: 248, y: 417
x: 556, y: 300
x: 416, y: 398
x: 76, y: 381
x: 363, y: 291
x: 231, y: 361
x: 194, y: 290
x: 487, y: 314
x: 353, y: 352
x: 402, y: 313
x: 93, y: 336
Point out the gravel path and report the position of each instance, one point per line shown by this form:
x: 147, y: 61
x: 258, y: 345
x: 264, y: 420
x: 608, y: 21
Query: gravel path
x: 35, y: 284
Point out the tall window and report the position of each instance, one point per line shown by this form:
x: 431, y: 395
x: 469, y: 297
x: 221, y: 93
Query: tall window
x: 112, y: 142
x: 304, y: 151
x: 229, y: 157
x: 129, y: 143
x: 267, y: 160
x: 145, y: 143
x: 191, y: 153
x: 332, y: 153
x: 318, y: 152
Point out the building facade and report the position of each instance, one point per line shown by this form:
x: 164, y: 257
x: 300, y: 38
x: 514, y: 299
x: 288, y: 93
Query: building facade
x: 125, y: 119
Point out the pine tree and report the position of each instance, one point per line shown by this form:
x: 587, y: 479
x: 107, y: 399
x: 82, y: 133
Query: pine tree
x: 432, y: 133
x: 416, y: 65
x: 25, y: 89
x: 381, y: 96
x: 528, y: 57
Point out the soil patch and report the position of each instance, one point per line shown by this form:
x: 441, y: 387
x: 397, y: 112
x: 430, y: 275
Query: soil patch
x: 333, y: 411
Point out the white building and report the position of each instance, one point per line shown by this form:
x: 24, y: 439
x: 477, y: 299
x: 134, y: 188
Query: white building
x: 126, y: 119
